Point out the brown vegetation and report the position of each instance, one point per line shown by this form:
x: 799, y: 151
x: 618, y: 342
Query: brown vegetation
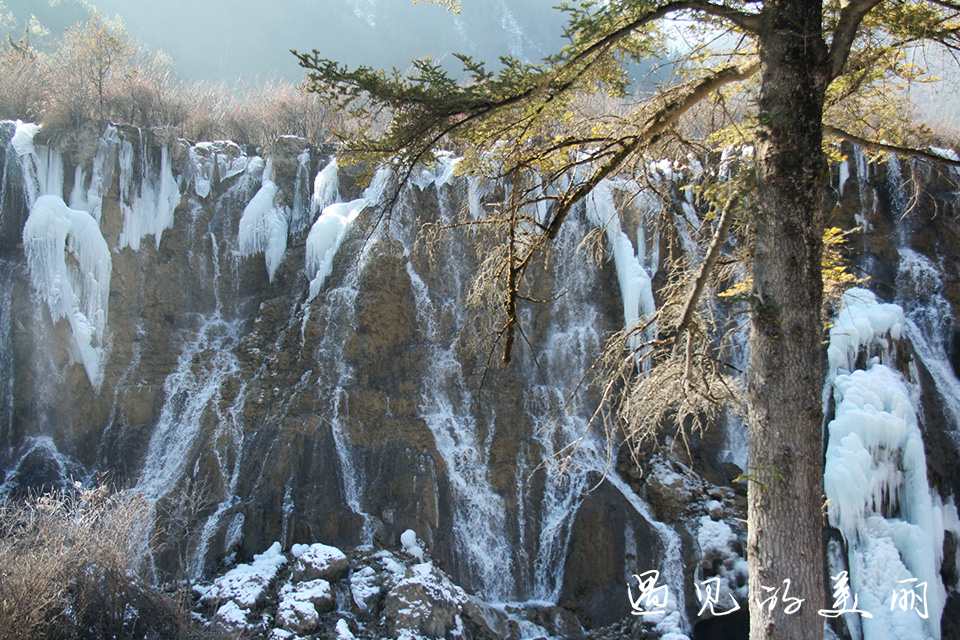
x: 95, y: 73
x: 76, y: 565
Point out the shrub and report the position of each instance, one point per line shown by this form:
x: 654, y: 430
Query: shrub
x: 23, y: 80
x: 94, y: 72
x: 75, y: 565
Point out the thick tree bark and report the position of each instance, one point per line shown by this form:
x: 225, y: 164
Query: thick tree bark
x: 784, y: 374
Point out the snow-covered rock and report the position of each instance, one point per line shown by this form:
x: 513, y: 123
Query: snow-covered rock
x: 300, y: 605
x: 343, y: 630
x: 424, y: 603
x: 365, y: 588
x: 408, y: 539
x: 317, y: 561
x: 246, y: 584
x: 232, y: 616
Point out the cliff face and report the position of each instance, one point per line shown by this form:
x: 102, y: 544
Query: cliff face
x: 254, y: 414
x: 265, y: 378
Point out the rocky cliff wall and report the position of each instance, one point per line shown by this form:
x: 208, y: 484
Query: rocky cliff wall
x: 265, y: 379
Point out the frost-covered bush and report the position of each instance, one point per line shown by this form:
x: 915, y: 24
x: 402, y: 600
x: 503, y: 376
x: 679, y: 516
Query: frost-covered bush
x: 71, y: 566
x: 94, y: 72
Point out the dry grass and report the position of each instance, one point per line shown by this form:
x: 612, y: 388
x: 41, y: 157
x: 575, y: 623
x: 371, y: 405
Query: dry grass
x: 75, y: 564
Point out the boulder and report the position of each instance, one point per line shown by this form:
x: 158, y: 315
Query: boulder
x: 302, y: 603
x: 318, y: 561
x: 424, y: 603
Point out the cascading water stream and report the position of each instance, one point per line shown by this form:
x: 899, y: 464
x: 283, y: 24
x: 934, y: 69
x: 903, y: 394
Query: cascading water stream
x: 929, y: 321
x: 572, y: 340
x: 450, y: 411
x: 7, y: 400
x: 876, y: 476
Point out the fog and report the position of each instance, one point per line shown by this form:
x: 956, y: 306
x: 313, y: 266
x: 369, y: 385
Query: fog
x: 230, y: 39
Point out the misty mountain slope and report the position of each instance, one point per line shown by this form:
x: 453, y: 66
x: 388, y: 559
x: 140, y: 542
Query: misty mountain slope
x: 225, y: 39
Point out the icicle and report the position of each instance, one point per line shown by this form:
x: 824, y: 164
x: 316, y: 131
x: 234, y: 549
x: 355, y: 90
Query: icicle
x: 635, y: 284
x: 263, y: 227
x: 325, y: 238
x: 844, y: 171
x: 78, y: 195
x: 300, y: 213
x: 203, y: 160
x: 231, y: 161
x: 331, y: 227
x: 875, y: 475
x: 148, y: 210
x: 42, y: 167
x: 326, y: 188
x: 373, y: 194
x: 78, y: 292
x: 102, y: 174
x: 474, y: 198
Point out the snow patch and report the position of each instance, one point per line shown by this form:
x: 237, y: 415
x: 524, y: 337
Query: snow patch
x: 947, y: 154
x: 343, y: 630
x: 408, y: 539
x: 318, y: 561
x: 300, y: 605
x: 231, y: 615
x: 246, y: 584
x: 22, y: 140
x: 365, y: 588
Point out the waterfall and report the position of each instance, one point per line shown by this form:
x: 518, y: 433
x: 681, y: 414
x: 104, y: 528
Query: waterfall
x: 7, y: 400
x: 215, y: 364
x: 876, y: 478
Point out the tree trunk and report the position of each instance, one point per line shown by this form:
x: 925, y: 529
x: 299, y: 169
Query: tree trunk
x: 785, y: 373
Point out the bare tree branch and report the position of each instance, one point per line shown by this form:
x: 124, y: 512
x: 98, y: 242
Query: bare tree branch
x: 675, y: 102
x: 845, y: 33
x: 905, y: 152
x: 719, y: 237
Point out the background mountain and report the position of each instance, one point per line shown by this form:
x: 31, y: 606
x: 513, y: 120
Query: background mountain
x: 228, y: 39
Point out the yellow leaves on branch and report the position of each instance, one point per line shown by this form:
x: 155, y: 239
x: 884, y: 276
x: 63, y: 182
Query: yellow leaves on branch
x: 449, y: 5
x: 836, y: 270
